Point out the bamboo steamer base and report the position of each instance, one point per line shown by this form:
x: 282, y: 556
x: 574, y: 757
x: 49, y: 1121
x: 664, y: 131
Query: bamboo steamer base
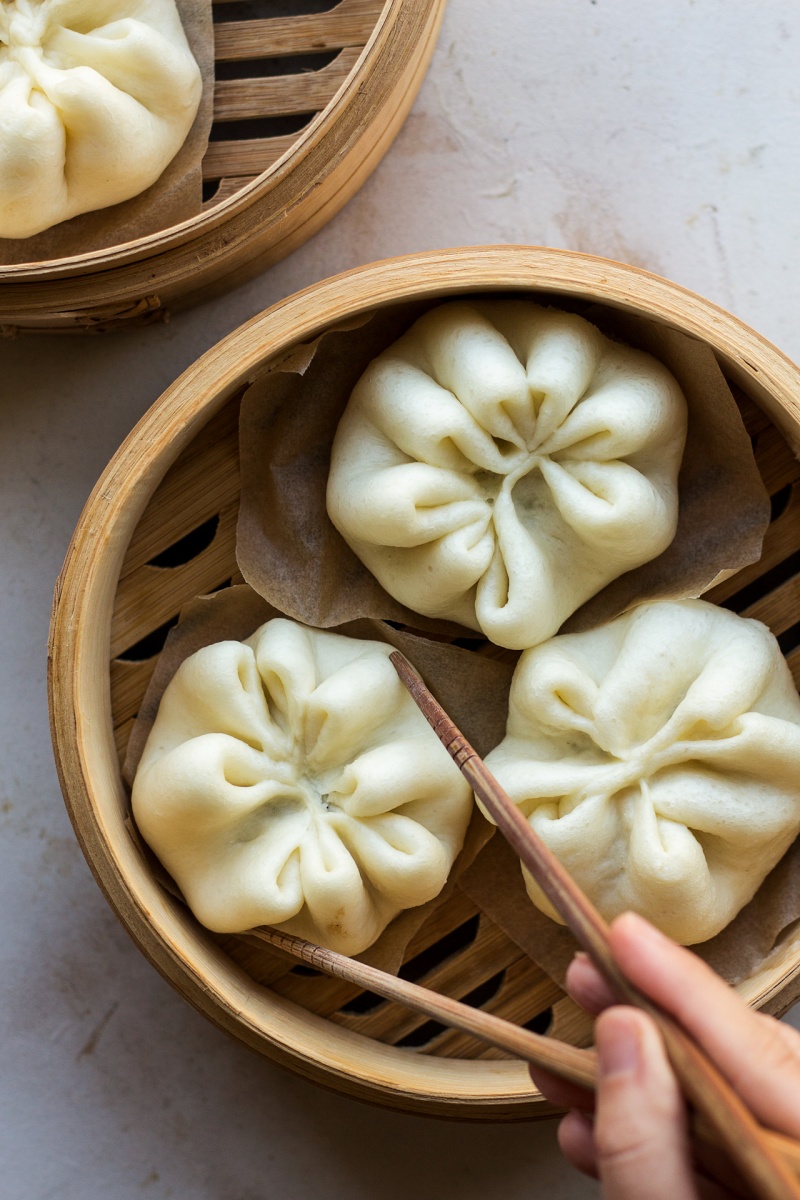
x: 305, y: 107
x: 159, y: 529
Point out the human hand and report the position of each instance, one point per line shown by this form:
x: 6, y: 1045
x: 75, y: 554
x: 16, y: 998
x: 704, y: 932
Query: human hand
x: 636, y: 1142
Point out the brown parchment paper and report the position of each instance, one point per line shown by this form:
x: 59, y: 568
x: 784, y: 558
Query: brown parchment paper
x: 176, y: 195
x: 494, y: 882
x: 290, y: 552
x: 471, y: 687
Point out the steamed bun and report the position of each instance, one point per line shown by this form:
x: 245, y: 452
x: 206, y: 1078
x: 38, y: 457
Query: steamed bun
x: 96, y: 98
x: 502, y: 462
x: 658, y: 756
x: 290, y: 780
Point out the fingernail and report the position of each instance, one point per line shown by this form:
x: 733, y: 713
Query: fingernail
x: 618, y: 1051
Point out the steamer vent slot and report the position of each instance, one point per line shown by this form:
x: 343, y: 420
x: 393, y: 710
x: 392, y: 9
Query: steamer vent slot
x: 183, y: 547
x: 278, y: 64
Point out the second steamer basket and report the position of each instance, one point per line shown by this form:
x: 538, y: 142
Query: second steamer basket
x: 305, y: 106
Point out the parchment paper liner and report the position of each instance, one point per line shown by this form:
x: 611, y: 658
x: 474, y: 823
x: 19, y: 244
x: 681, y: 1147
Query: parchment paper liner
x: 494, y: 882
x: 176, y: 195
x: 289, y: 551
x: 470, y: 686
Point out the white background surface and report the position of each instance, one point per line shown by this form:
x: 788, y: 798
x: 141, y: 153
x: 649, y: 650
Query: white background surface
x: 665, y: 134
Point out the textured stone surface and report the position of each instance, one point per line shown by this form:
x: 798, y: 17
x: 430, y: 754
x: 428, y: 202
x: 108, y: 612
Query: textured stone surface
x: 662, y: 134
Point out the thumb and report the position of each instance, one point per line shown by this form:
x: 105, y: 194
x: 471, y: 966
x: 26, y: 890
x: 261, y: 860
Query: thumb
x: 641, y: 1135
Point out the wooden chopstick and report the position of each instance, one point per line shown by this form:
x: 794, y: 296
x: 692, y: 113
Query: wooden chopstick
x: 568, y: 1062
x: 744, y: 1139
x: 574, y: 1066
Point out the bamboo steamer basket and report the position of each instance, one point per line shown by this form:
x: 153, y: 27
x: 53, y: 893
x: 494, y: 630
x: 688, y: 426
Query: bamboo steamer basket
x: 159, y: 529
x: 287, y: 151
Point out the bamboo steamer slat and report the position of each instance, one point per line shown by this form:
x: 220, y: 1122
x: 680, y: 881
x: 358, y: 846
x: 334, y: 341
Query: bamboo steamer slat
x: 159, y: 528
x: 270, y: 192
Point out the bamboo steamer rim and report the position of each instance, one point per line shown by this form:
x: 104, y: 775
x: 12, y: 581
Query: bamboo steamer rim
x: 79, y: 650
